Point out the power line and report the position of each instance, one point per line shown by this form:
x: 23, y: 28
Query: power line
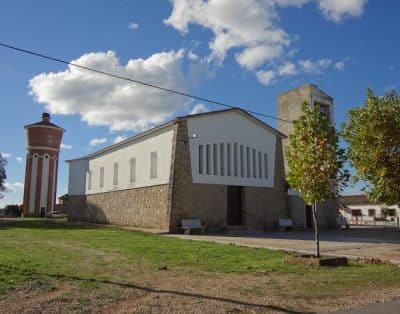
x: 140, y: 82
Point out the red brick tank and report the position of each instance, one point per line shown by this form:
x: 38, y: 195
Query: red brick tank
x: 43, y: 146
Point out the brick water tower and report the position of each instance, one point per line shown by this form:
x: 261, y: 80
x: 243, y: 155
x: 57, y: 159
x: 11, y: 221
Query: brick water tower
x: 43, y: 145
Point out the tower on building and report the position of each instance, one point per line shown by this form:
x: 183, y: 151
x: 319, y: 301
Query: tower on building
x: 43, y: 145
x: 289, y: 109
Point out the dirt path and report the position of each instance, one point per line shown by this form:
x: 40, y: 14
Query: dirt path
x: 170, y: 292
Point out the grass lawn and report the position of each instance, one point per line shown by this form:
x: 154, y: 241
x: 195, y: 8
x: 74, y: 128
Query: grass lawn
x: 79, y: 267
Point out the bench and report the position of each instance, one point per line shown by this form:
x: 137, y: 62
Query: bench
x: 192, y: 224
x: 285, y: 224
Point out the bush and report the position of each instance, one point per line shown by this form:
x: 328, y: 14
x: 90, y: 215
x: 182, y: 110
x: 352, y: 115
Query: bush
x: 12, y: 211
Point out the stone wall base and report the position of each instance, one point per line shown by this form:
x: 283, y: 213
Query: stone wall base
x: 146, y: 207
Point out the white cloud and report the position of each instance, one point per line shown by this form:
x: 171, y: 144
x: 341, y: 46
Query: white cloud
x: 337, y: 10
x: 314, y: 67
x: 13, y: 187
x: 19, y: 159
x: 251, y: 26
x: 5, y: 155
x: 265, y: 77
x: 199, y: 108
x: 253, y: 57
x: 97, y: 141
x: 133, y: 25
x: 246, y: 24
x: 287, y: 69
x: 119, y: 139
x: 66, y: 146
x: 192, y: 56
x: 339, y: 65
x: 107, y: 101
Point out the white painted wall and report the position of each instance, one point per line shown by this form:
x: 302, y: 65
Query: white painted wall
x: 230, y: 127
x: 364, y: 211
x: 160, y: 141
x: 45, y: 181
x: 32, y: 192
x: 77, y: 177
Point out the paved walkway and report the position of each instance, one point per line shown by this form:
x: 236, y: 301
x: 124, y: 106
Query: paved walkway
x: 358, y: 242
x: 391, y: 307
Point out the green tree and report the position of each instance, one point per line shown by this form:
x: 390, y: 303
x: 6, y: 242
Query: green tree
x: 315, y: 161
x: 372, y: 132
x: 3, y: 177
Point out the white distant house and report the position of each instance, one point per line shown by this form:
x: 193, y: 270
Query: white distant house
x: 358, y: 209
x: 225, y: 168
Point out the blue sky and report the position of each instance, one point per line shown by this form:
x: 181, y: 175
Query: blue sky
x: 241, y: 52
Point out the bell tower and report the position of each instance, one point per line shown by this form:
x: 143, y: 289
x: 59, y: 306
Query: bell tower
x: 289, y: 106
x: 289, y: 109
x: 43, y: 141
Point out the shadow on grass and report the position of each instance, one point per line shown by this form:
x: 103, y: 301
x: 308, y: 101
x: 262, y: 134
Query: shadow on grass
x: 32, y: 273
x: 43, y: 223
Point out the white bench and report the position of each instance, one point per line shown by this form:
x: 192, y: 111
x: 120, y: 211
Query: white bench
x: 192, y: 224
x: 285, y: 224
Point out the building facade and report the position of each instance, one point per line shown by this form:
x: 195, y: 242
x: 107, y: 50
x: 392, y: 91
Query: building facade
x: 43, y: 146
x: 225, y: 168
x: 358, y: 209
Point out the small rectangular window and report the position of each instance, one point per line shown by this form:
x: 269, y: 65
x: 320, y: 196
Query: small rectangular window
x: 215, y: 159
x: 241, y: 161
x: 101, y: 183
x: 265, y: 166
x: 222, y: 158
x: 228, y: 154
x: 153, y: 165
x: 208, y: 159
x: 201, y: 159
x: 89, y: 180
x: 235, y: 159
x: 115, y: 177
x: 254, y: 164
x: 132, y: 172
x: 260, y: 165
x: 248, y: 162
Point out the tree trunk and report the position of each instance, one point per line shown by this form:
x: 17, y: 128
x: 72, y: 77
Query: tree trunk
x: 316, y: 229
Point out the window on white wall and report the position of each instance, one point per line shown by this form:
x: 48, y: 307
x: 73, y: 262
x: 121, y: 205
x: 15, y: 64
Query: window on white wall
x: 241, y: 161
x: 254, y: 164
x: 235, y: 160
x: 89, y: 180
x: 153, y: 165
x: 115, y: 176
x: 229, y: 159
x: 248, y: 161
x: 222, y: 158
x: 101, y: 182
x: 215, y: 159
x: 208, y: 159
x: 201, y: 161
x: 132, y: 170
x: 260, y: 165
x: 265, y: 166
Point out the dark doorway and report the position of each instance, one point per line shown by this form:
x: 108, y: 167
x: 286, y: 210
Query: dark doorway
x: 234, y: 205
x: 309, y: 223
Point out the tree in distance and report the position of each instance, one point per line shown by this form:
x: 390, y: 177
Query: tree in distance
x: 372, y: 132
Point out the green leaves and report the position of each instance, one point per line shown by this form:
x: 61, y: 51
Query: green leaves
x: 314, y: 158
x: 372, y: 132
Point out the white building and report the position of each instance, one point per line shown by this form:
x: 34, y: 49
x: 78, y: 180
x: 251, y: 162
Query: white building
x: 358, y: 209
x: 224, y: 167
